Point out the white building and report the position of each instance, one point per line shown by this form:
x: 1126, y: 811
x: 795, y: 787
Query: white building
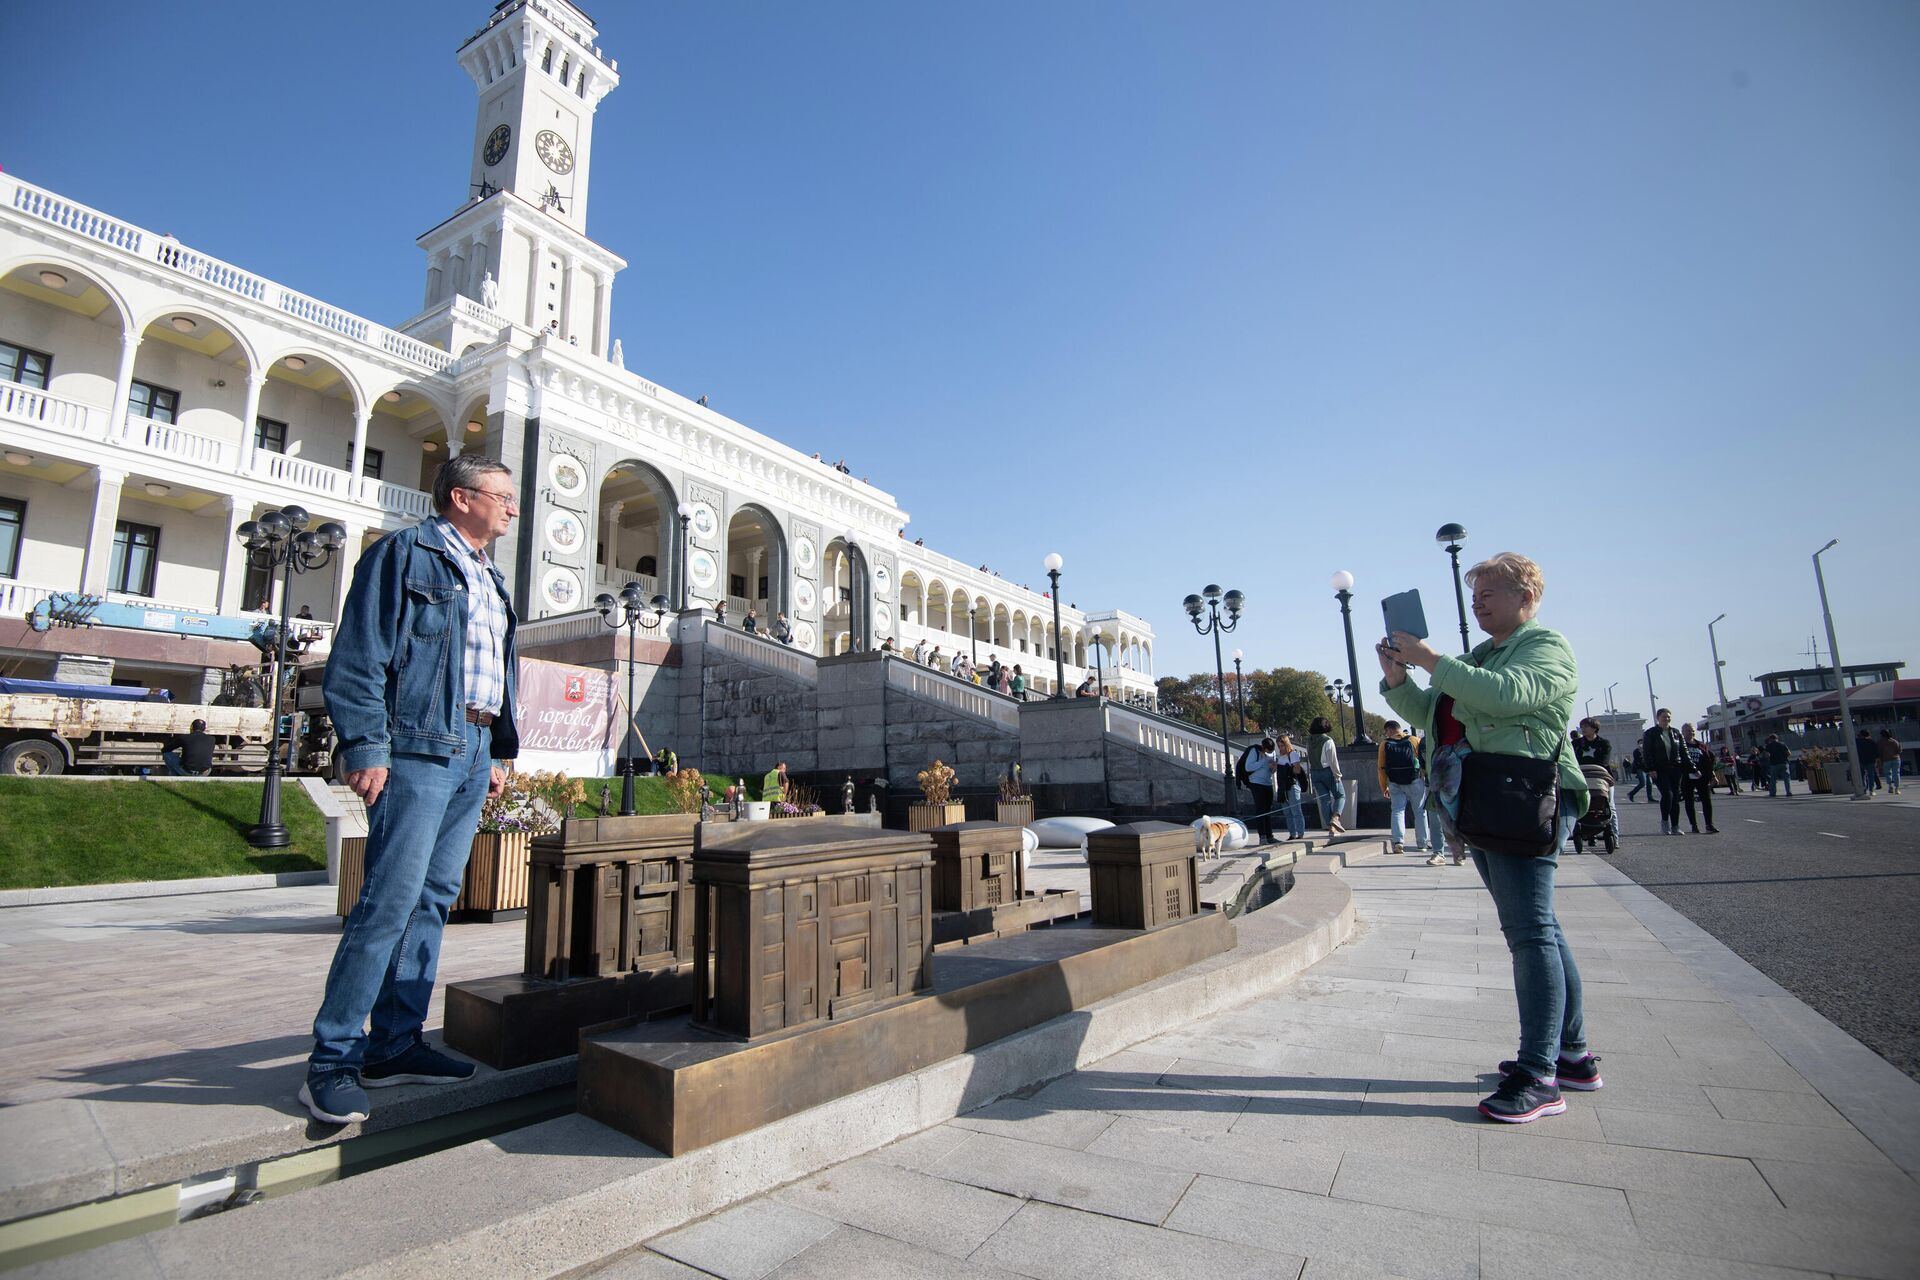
x: 154, y: 397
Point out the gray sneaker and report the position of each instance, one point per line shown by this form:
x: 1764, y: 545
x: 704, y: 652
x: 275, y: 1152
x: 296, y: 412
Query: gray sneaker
x: 334, y: 1097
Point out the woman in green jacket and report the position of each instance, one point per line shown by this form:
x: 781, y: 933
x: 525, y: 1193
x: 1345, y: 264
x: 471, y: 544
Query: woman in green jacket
x: 1513, y: 695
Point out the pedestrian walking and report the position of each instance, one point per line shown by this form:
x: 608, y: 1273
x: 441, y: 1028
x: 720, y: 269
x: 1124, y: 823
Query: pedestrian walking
x: 1866, y: 759
x: 1511, y: 696
x: 1398, y: 763
x: 1666, y: 759
x: 1257, y: 765
x: 1290, y: 765
x: 1329, y: 787
x: 420, y: 689
x: 1590, y: 748
x: 920, y: 651
x: 750, y: 624
x: 1890, y: 761
x: 1018, y: 685
x: 1779, y: 765
x: 1697, y: 782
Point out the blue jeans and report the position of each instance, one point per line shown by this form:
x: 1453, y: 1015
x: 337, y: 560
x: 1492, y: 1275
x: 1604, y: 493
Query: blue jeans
x: 1331, y: 792
x: 419, y: 833
x: 1546, y: 983
x: 1399, y: 796
x: 1892, y: 768
x: 1296, y: 821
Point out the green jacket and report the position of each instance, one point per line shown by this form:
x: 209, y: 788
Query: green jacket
x: 1514, y: 699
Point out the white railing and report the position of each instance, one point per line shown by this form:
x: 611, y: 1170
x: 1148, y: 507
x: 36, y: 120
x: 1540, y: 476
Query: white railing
x: 298, y: 473
x: 614, y: 579
x: 584, y: 624
x: 35, y: 407
x: 396, y: 499
x: 769, y: 655
x: 950, y: 691
x: 43, y: 205
x: 18, y: 598
x: 170, y: 441
x: 467, y: 309
x: 1191, y: 748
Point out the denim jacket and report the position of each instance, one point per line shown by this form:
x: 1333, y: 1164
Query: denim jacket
x: 395, y: 679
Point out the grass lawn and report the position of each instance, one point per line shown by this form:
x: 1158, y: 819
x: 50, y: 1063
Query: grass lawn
x: 65, y: 831
x: 649, y: 794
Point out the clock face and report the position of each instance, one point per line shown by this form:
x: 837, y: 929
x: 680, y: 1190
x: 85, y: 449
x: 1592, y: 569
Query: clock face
x: 496, y: 149
x: 553, y: 151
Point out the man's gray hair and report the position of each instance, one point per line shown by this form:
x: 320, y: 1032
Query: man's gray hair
x: 463, y: 472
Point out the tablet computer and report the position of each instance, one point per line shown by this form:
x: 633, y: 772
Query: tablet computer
x: 1404, y: 613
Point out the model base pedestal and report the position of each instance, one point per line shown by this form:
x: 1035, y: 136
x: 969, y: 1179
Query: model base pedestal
x: 959, y: 928
x: 514, y: 1021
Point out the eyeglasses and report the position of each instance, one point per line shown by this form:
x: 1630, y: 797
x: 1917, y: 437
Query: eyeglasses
x: 507, y: 500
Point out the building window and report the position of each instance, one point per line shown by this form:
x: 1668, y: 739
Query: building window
x: 737, y: 584
x: 370, y: 464
x: 546, y: 59
x: 269, y: 435
x: 136, y: 552
x: 27, y: 367
x: 256, y: 592
x: 647, y: 566
x: 148, y: 401
x: 13, y: 518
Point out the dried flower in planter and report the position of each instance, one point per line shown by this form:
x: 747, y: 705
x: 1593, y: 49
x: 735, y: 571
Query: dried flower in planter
x: 936, y: 782
x: 1012, y: 789
x: 688, y: 787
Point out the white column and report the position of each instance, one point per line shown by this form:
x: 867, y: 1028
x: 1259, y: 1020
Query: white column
x: 106, y: 513
x: 233, y: 559
x: 348, y: 558
x: 360, y: 421
x: 249, y: 416
x: 536, y: 267
x: 613, y: 538
x: 566, y: 296
x: 122, y: 385
x: 603, y: 323
x: 753, y: 573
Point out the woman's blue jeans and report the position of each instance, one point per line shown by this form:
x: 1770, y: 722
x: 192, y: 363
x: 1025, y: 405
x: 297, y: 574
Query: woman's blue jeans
x: 1330, y: 791
x: 419, y: 834
x: 1296, y: 821
x: 1546, y: 982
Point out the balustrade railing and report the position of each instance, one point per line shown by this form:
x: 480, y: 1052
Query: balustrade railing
x: 614, y: 579
x: 397, y: 499
x: 299, y: 473
x: 951, y: 691
x: 170, y: 441
x: 21, y: 403
x: 18, y: 598
x: 1162, y: 738
x: 769, y: 655
x: 585, y: 624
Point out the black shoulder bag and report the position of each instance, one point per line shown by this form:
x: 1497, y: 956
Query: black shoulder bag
x: 1510, y: 804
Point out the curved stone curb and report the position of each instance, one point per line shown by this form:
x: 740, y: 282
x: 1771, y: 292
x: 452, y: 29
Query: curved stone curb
x: 556, y: 1197
x: 155, y: 888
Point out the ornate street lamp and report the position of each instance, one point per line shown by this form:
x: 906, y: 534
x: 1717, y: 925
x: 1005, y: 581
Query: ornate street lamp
x: 1343, y: 592
x: 1839, y: 676
x: 1239, y: 698
x: 633, y: 613
x: 1099, y: 671
x: 281, y: 540
x: 1653, y: 703
x: 686, y: 552
x: 1337, y: 695
x: 1208, y: 603
x: 973, y: 627
x: 1053, y: 564
x: 1451, y: 536
x: 1720, y: 684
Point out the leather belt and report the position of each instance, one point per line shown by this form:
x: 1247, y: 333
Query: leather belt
x: 481, y: 718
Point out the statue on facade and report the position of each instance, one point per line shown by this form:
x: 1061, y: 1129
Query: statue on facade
x: 489, y: 292
x: 619, y: 356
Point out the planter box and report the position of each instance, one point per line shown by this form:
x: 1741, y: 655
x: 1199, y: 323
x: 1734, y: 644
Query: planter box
x: 1017, y: 813
x: 494, y: 886
x: 922, y: 816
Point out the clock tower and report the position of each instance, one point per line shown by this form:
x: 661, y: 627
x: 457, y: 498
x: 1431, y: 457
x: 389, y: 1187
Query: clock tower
x: 540, y: 77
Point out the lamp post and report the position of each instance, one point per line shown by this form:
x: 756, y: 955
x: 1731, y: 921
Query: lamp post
x: 632, y: 616
x: 1720, y: 684
x: 1451, y: 536
x: 1653, y: 703
x: 281, y: 540
x: 1099, y: 671
x: 1208, y: 602
x: 1343, y: 592
x: 973, y: 620
x: 1053, y: 564
x: 1839, y: 673
x: 1610, y: 689
x: 686, y: 551
x: 1337, y: 695
x: 1239, y: 698
x: 1589, y: 708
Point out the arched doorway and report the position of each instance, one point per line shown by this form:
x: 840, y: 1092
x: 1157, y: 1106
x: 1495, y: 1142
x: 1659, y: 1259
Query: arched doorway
x: 758, y: 577
x: 638, y: 536
x: 849, y: 603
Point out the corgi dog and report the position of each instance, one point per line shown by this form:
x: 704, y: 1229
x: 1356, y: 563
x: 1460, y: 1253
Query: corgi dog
x: 1215, y: 833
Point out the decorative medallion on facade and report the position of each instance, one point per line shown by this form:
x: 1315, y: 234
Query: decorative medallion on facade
x: 803, y: 596
x: 561, y: 590
x: 567, y: 474
x: 705, y: 572
x: 705, y: 522
x: 882, y: 581
x: 806, y: 556
x: 565, y: 533
x: 805, y: 636
x: 882, y: 619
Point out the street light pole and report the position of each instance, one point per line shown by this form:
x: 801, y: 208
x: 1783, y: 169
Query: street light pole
x: 686, y: 551
x: 1053, y: 564
x: 1451, y: 536
x: 1839, y: 674
x: 1209, y: 602
x: 281, y: 540
x: 1099, y: 669
x: 1653, y: 704
x: 1343, y: 592
x: 1239, y: 698
x: 632, y: 613
x: 973, y: 645
x: 1719, y: 683
x: 1610, y: 689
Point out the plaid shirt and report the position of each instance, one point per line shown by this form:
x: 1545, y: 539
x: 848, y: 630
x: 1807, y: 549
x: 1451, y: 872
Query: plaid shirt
x: 484, y: 663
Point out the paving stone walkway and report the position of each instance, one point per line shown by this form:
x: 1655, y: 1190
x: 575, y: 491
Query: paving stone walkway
x: 1329, y: 1130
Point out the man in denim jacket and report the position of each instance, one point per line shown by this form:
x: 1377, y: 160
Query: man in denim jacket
x: 420, y: 690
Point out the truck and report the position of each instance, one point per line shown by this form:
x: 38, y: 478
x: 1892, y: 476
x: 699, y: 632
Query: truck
x: 48, y: 727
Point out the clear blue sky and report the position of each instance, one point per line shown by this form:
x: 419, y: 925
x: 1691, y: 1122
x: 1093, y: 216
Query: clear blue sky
x: 1231, y: 292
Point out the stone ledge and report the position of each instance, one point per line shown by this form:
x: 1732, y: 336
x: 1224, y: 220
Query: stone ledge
x: 155, y: 888
x: 557, y: 1197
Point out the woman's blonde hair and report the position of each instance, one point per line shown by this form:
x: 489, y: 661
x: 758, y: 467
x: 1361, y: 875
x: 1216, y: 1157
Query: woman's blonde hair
x: 1511, y: 569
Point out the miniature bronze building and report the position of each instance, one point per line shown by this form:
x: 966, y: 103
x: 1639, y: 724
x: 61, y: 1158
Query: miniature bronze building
x: 610, y: 895
x: 1143, y: 875
x: 976, y: 864
x: 800, y: 922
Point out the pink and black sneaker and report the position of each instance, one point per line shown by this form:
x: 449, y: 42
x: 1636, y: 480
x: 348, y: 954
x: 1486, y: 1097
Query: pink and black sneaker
x: 1522, y: 1097
x: 1582, y: 1076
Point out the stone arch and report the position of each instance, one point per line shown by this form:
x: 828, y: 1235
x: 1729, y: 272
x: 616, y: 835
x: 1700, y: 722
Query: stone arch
x: 766, y: 536
x: 75, y: 272
x: 1002, y: 628
x: 249, y: 355
x: 637, y: 531
x: 913, y: 598
x: 847, y: 565
x: 939, y: 605
x: 356, y: 394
